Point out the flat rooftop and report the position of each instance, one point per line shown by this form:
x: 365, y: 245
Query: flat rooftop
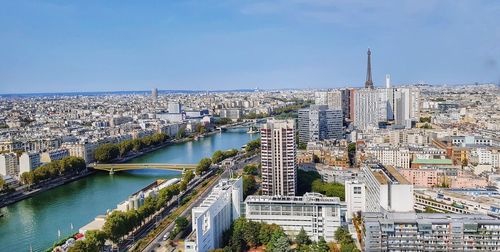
x: 387, y: 175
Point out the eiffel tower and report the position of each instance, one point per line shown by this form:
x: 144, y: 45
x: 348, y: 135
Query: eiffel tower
x: 369, y: 82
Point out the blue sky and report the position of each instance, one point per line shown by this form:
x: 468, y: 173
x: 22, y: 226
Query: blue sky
x: 48, y: 46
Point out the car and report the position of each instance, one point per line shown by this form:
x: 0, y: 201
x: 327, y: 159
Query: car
x: 165, y: 237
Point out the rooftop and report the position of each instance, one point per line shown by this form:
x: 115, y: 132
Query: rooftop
x: 434, y: 161
x: 387, y: 175
x: 307, y: 198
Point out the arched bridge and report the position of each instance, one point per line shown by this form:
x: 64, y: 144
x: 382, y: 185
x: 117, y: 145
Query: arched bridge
x: 138, y: 166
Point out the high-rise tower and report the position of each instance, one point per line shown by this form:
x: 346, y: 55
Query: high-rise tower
x: 278, y: 158
x: 369, y: 82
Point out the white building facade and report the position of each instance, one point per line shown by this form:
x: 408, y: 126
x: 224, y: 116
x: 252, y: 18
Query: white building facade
x: 29, y: 162
x: 215, y: 215
x: 9, y: 165
x: 317, y: 214
x: 386, y: 189
x: 355, y: 194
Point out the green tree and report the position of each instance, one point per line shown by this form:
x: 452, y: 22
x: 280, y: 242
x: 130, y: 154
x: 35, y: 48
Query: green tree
x: 217, y: 156
x: 251, y: 233
x: 2, y: 183
x: 181, y: 133
x: 28, y: 178
x: 106, y: 152
x: 278, y: 243
x: 322, y: 245
x: 203, y: 165
x: 137, y: 144
x: 302, y: 146
x: 252, y: 145
x: 125, y: 147
x: 237, y: 241
x: 341, y: 235
x: 200, y: 128
x: 181, y: 223
x: 94, y: 241
x: 329, y: 189
x: 249, y: 185
x: 266, y: 232
x: 305, y: 180
x: 302, y: 238
x: 223, y: 121
x: 116, y: 226
x: 348, y: 247
x: 251, y: 169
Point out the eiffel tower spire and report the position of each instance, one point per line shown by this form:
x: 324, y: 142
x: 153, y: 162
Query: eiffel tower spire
x: 369, y: 82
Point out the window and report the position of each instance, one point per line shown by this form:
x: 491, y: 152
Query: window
x: 357, y: 190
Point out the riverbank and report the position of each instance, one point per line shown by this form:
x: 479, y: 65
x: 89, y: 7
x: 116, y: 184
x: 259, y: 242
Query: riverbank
x: 18, y: 196
x: 48, y: 185
x: 36, y: 220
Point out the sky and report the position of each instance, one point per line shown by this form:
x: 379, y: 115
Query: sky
x: 113, y: 45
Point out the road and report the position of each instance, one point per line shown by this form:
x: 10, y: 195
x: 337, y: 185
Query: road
x: 151, y: 224
x: 158, y: 240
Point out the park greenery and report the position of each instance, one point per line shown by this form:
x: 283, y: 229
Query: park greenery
x: 181, y: 223
x: 251, y: 169
x: 310, y: 181
x: 219, y: 155
x: 203, y: 165
x: 425, y: 119
x: 119, y: 223
x: 94, y: 241
x: 56, y: 168
x: 305, y: 180
x: 351, y: 151
x: 344, y: 238
x: 249, y: 185
x: 223, y: 121
x: 245, y: 235
x: 108, y: 152
x: 252, y: 145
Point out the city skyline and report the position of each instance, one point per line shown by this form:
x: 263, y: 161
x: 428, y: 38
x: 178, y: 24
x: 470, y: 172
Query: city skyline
x: 74, y: 47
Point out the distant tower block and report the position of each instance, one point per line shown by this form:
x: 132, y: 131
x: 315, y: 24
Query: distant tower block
x: 369, y: 82
x: 388, y: 81
x: 154, y: 93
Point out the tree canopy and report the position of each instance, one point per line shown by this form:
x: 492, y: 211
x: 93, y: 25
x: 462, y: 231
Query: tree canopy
x: 203, y: 165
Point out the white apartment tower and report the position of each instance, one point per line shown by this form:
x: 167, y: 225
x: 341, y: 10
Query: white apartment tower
x: 386, y: 189
x: 29, y: 162
x: 370, y: 108
x: 215, y: 215
x: 278, y: 158
x: 9, y: 165
x: 406, y: 106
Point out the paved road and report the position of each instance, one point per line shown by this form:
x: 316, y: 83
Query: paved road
x: 158, y: 240
x: 151, y: 224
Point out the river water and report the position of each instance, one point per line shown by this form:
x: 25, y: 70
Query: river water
x: 36, y: 221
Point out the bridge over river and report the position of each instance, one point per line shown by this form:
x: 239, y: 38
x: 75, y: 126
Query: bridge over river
x: 138, y: 166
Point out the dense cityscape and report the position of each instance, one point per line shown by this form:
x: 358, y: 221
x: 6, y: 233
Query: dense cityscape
x: 380, y: 168
x: 249, y: 126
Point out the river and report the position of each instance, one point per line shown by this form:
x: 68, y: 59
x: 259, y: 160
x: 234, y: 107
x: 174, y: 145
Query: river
x: 35, y: 221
